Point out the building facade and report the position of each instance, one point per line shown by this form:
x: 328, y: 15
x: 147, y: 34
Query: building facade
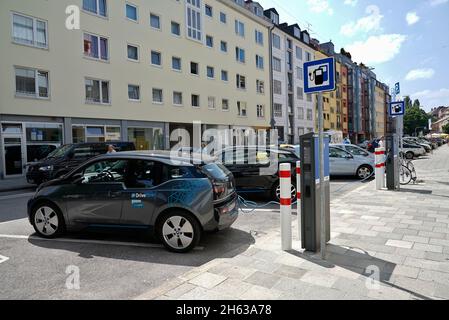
x: 134, y: 71
x: 293, y: 110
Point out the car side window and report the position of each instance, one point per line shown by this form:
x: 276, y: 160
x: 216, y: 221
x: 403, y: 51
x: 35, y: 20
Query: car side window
x: 356, y: 151
x: 105, y: 171
x: 142, y: 174
x: 83, y: 152
x: 337, y: 153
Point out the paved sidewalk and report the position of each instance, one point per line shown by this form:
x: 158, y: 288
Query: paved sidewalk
x: 14, y: 184
x: 404, y: 235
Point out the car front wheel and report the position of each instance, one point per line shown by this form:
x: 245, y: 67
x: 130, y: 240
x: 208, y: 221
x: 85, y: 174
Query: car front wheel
x: 409, y: 155
x: 47, y: 221
x: 276, y: 193
x: 179, y: 232
x: 364, y: 172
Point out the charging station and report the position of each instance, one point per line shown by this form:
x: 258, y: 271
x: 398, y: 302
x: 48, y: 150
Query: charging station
x: 311, y: 193
x: 393, y: 163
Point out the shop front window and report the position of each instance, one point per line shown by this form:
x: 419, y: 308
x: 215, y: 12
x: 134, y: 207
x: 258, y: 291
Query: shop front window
x: 147, y: 138
x: 94, y: 134
x: 42, y: 139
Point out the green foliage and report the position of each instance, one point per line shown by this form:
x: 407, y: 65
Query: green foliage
x: 446, y: 128
x: 415, y: 117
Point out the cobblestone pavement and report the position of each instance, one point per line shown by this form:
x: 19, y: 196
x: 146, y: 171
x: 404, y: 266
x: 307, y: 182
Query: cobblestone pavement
x: 385, y: 245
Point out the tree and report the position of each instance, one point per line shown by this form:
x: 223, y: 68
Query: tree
x: 446, y: 128
x: 415, y: 117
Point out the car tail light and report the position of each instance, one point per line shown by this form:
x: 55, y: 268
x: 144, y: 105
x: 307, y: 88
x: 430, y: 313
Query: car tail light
x: 220, y: 190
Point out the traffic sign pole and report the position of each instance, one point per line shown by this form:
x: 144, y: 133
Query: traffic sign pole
x: 322, y: 193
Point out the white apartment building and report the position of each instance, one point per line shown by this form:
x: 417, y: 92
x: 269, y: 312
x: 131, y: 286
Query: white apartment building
x: 293, y: 110
x: 134, y: 71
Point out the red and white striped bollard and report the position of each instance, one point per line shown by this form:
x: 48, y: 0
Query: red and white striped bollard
x: 380, y: 168
x: 298, y: 196
x: 285, y: 181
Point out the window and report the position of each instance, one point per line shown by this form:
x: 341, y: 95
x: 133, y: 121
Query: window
x: 299, y: 93
x: 143, y: 175
x: 224, y: 75
x: 195, y: 101
x: 177, y: 98
x: 194, y: 21
x: 211, y: 102
x: 176, y: 63
x: 156, y: 58
x: 240, y: 54
x: 98, y: 7
x: 259, y: 62
x: 223, y: 17
x: 260, y: 86
x: 260, y: 111
x: 155, y: 21
x: 300, y: 112
x: 277, y: 87
x: 259, y: 37
x: 308, y: 56
x: 276, y: 41
x: 309, y: 97
x: 97, y: 91
x: 194, y: 68
x: 210, y: 72
x: 96, y: 47
x: 240, y: 28
x: 225, y: 104
x: 175, y: 28
x: 131, y: 12
x: 224, y: 46
x: 299, y: 73
x: 309, y: 114
x: 100, y: 172
x: 241, y: 109
x: 133, y: 52
x: 241, y: 82
x: 158, y: 96
x: 209, y: 11
x: 278, y: 110
x: 299, y: 53
x: 29, y: 31
x: 31, y: 82
x: 210, y: 41
x: 133, y: 92
x: 277, y: 64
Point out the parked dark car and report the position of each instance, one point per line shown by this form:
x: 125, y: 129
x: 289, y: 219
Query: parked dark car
x: 170, y: 197
x: 248, y: 175
x: 68, y: 157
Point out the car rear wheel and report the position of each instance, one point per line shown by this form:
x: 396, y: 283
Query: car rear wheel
x: 47, y: 221
x: 364, y: 172
x: 276, y: 193
x: 409, y: 155
x: 179, y: 231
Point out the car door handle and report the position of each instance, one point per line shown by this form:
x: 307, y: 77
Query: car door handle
x: 72, y: 197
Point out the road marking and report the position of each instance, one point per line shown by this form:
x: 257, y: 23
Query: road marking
x: 83, y: 241
x: 17, y: 220
x: 17, y: 196
x: 3, y: 259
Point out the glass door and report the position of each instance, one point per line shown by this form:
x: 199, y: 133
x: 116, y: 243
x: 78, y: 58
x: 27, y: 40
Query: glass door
x: 13, y: 156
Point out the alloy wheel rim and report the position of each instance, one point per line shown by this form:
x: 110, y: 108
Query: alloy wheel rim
x: 293, y: 192
x: 364, y: 173
x: 46, y: 221
x: 178, y: 232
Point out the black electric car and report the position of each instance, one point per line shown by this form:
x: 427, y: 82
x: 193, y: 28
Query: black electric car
x: 254, y: 170
x: 171, y: 197
x: 67, y: 157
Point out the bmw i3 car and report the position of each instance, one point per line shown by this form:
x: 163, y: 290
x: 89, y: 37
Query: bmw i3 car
x: 171, y: 197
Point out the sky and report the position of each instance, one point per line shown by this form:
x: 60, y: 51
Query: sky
x: 406, y: 41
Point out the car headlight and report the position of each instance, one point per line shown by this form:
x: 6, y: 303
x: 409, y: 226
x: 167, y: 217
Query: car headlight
x: 46, y: 168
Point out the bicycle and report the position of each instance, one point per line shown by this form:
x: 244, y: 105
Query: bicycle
x: 407, y: 172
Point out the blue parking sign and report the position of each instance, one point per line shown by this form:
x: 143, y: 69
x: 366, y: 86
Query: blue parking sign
x: 319, y: 75
x: 397, y: 88
x: 396, y: 109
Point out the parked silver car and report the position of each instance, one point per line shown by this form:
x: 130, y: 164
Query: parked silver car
x: 343, y: 163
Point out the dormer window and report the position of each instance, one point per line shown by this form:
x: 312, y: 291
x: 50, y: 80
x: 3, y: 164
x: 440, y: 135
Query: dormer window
x: 274, y: 18
x: 297, y: 32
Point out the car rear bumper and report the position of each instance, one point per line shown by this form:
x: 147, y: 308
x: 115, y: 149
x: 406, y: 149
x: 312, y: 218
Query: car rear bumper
x: 226, y: 213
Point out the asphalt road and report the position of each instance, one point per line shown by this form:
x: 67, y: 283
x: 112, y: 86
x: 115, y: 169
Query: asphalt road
x: 110, y: 266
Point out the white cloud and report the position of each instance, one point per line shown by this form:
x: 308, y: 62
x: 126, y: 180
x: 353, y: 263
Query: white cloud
x: 434, y: 3
x: 377, y: 49
x: 432, y: 98
x: 371, y: 22
x: 320, y: 6
x: 351, y: 3
x: 419, y: 74
x: 412, y: 18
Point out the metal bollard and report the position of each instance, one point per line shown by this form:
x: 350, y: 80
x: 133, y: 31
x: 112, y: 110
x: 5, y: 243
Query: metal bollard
x: 380, y: 168
x: 285, y: 180
x: 298, y: 196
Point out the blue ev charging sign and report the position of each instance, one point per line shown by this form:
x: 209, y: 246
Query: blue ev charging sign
x: 319, y: 75
x: 397, y: 109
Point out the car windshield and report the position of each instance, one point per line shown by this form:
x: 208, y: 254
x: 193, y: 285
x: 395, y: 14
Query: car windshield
x: 60, y: 152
